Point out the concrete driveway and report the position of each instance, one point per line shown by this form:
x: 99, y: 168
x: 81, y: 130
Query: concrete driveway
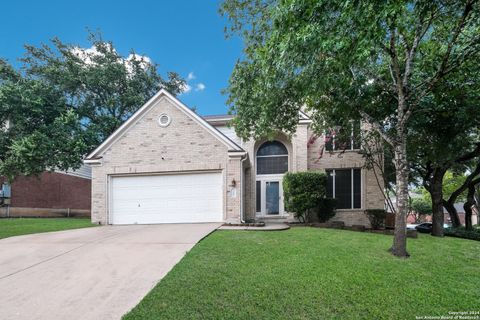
x: 93, y: 273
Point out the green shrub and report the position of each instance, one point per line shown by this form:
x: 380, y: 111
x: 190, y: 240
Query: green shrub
x: 463, y: 233
x: 421, y: 206
x: 326, y: 209
x: 376, y: 217
x: 303, y: 191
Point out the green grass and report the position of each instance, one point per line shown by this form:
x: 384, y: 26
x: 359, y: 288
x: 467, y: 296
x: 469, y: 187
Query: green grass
x: 310, y: 273
x: 20, y: 226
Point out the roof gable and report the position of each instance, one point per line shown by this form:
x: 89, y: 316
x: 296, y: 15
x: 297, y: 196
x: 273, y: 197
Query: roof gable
x: 97, y: 153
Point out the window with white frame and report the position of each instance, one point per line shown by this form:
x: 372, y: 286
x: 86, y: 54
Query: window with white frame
x: 337, y: 139
x: 346, y: 187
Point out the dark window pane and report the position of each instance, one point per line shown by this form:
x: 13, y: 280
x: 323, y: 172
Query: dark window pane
x: 343, y: 188
x: 343, y: 143
x: 272, y: 148
x: 272, y: 165
x: 328, y: 142
x: 343, y: 140
x: 357, y: 189
x: 329, y: 183
x: 258, y: 196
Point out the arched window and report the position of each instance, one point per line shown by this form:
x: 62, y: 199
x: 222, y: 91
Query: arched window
x: 272, y: 158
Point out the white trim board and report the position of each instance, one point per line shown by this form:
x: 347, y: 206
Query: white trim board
x: 146, y: 107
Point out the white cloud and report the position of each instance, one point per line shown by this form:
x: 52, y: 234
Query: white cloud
x: 191, y: 85
x: 88, y: 54
x: 200, y: 87
x: 190, y: 76
x: 85, y: 54
x: 144, y: 61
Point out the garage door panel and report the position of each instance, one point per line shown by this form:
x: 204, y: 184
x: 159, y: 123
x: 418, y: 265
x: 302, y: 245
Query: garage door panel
x: 173, y: 198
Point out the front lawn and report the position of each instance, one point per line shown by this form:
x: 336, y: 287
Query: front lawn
x: 310, y: 273
x: 10, y: 227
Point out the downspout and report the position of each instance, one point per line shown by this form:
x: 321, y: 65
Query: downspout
x: 242, y: 174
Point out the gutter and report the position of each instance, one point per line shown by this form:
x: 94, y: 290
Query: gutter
x: 92, y: 161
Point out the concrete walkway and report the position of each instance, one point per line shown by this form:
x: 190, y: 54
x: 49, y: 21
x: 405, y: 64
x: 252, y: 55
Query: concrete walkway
x: 271, y: 226
x: 93, y: 273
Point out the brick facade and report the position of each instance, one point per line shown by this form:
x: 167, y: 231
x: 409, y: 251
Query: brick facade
x: 297, y: 161
x: 372, y: 194
x: 184, y: 145
x: 306, y: 152
x: 187, y: 145
x: 49, y: 194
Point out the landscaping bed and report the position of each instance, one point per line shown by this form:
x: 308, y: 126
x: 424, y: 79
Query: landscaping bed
x: 359, y: 228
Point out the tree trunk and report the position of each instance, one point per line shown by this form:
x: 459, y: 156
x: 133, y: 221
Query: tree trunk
x: 453, y: 213
x: 399, y: 247
x: 468, y: 207
x: 436, y: 193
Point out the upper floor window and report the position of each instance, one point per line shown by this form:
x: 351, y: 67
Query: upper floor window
x: 343, y: 138
x: 272, y: 158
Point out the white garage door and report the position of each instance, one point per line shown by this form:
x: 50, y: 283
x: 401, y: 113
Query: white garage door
x: 171, y: 198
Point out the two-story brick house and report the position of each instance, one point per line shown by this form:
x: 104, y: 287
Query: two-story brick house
x: 166, y: 164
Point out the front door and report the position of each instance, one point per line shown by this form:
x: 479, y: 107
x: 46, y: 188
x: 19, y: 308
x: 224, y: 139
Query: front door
x: 269, y: 197
x: 272, y: 197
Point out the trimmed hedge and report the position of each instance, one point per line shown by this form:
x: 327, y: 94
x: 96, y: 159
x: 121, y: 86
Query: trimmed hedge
x: 376, y: 218
x: 326, y: 209
x: 304, y: 191
x: 463, y: 233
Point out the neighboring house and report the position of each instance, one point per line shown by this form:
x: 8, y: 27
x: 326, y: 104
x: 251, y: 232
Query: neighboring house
x: 411, y: 219
x: 461, y: 214
x: 50, y: 194
x: 166, y: 164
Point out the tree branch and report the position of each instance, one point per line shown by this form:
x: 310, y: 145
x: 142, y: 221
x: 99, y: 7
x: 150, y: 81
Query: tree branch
x: 420, y: 32
x: 464, y: 186
x: 442, y: 69
x: 469, y: 155
x: 367, y: 118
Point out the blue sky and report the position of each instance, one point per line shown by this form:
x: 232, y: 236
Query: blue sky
x: 182, y: 36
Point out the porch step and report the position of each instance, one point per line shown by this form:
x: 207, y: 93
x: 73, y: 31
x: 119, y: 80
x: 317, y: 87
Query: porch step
x: 274, y: 219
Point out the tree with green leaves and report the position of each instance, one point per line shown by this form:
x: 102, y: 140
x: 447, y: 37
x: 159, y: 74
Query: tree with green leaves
x: 67, y: 99
x: 348, y: 60
x: 465, y: 192
x: 444, y: 140
x: 451, y: 182
x: 102, y: 86
x: 38, y: 130
x: 420, y: 207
